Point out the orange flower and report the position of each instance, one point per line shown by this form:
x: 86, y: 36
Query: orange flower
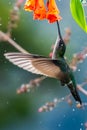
x: 53, y: 12
x: 30, y: 5
x: 40, y: 10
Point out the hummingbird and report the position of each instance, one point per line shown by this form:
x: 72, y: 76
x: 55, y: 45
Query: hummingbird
x: 49, y: 67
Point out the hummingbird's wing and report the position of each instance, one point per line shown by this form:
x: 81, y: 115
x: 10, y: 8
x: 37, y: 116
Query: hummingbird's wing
x: 35, y: 64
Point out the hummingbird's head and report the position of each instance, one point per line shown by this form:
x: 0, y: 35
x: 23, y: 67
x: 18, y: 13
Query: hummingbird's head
x: 61, y: 48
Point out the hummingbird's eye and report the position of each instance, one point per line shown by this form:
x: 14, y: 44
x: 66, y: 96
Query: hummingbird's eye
x: 61, y: 44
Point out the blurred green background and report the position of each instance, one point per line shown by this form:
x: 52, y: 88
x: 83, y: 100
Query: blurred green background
x: 20, y: 112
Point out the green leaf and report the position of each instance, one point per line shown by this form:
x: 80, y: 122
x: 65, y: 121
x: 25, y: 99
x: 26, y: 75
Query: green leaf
x: 78, y: 14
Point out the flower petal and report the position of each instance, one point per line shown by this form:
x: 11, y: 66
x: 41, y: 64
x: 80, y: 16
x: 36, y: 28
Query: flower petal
x: 53, y: 12
x: 30, y: 5
x: 40, y: 10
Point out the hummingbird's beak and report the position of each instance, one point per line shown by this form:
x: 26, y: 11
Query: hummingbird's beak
x: 59, y: 30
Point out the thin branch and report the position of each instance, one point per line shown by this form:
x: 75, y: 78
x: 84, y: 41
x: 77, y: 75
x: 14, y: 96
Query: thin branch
x: 5, y: 37
x: 81, y: 89
x: 34, y: 83
x: 49, y: 106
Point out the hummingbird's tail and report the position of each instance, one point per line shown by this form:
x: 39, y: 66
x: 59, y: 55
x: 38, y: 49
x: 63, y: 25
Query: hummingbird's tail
x: 75, y: 93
